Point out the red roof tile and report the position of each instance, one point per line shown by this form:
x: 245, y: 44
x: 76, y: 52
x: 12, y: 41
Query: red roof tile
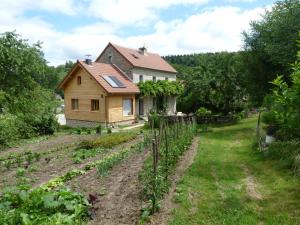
x: 98, y: 70
x: 149, y: 60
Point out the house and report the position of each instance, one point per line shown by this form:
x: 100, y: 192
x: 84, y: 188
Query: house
x: 106, y: 91
x: 141, y: 65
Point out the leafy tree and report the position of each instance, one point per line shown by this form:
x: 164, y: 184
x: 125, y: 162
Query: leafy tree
x: 270, y: 47
x: 214, y: 83
x: 26, y: 103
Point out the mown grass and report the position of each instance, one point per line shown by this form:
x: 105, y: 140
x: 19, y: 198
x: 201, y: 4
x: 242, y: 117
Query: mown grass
x: 214, y: 189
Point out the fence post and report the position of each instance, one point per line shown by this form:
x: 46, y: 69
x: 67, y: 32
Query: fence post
x: 154, y: 175
x: 166, y: 155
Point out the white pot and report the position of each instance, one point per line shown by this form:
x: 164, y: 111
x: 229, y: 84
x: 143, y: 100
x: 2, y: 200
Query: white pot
x: 269, y: 139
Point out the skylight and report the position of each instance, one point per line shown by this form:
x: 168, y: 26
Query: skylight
x: 114, y: 82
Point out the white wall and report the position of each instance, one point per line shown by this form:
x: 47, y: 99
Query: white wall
x: 148, y: 75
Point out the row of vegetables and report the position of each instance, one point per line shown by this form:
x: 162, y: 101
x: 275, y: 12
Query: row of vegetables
x: 52, y: 202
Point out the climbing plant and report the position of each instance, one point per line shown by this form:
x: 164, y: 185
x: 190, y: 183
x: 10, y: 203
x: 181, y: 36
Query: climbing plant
x: 160, y: 88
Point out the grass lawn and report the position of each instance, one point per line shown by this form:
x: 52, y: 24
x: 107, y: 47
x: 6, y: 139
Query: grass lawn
x: 230, y: 183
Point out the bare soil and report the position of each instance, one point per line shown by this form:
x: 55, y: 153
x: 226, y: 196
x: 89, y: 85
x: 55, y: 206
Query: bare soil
x: 168, y: 204
x: 251, y: 186
x: 119, y: 194
x: 50, y: 143
x: 60, y: 163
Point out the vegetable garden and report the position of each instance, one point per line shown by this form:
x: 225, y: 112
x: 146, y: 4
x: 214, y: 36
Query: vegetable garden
x: 43, y: 187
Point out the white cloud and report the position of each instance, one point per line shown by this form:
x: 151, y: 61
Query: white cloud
x: 138, y: 12
x: 17, y: 7
x: 213, y: 30
x: 210, y: 30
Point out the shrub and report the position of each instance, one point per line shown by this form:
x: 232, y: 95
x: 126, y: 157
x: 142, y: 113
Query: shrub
x: 8, y: 129
x: 99, y: 129
x: 109, y: 130
x: 288, y: 153
x: 202, y: 111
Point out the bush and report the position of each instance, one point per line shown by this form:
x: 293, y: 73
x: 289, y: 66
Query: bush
x: 202, y: 111
x: 8, y: 129
x: 288, y: 152
x: 99, y: 129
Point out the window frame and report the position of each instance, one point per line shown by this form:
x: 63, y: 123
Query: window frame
x: 79, y: 80
x: 131, y: 112
x: 95, y: 105
x: 74, y: 103
x: 141, y: 78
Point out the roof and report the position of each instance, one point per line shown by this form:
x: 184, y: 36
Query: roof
x: 137, y: 59
x: 98, y: 70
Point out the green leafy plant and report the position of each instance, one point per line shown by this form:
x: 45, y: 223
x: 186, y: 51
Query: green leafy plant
x: 109, y: 141
x: 99, y: 129
x: 37, y: 156
x: 20, y: 172
x: 202, y: 111
x: 62, y: 206
x: 167, y: 148
x: 8, y: 163
x: 160, y: 88
x: 81, y: 154
x: 109, y: 130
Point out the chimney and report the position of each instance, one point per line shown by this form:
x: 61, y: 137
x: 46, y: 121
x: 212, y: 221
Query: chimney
x: 143, y: 50
x: 88, y: 60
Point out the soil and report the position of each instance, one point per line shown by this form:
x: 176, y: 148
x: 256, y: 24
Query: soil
x: 119, y: 194
x: 60, y: 163
x: 251, y: 186
x: 50, y: 143
x: 168, y: 204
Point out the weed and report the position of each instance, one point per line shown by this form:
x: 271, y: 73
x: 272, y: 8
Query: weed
x: 20, y: 172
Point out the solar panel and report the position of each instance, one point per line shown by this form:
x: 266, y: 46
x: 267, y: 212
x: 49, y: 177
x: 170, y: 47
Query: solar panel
x: 114, y: 82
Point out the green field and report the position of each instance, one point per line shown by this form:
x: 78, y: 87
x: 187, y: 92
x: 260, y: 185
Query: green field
x: 230, y: 183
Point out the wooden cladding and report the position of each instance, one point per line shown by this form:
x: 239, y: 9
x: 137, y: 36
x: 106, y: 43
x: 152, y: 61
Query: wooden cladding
x: 95, y: 105
x: 75, y: 104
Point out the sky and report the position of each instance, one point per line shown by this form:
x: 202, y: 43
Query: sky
x: 71, y: 29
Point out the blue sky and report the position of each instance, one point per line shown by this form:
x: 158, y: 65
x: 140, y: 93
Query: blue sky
x: 70, y: 29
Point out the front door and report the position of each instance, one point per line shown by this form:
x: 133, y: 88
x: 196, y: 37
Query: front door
x: 141, y: 106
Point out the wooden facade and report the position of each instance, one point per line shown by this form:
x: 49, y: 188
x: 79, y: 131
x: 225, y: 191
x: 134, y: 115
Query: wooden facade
x: 82, y: 86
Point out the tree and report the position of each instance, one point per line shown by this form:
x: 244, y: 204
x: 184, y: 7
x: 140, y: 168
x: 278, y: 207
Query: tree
x: 26, y: 103
x: 214, y: 83
x: 270, y: 47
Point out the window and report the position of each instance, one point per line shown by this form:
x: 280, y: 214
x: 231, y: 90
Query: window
x: 141, y: 78
x: 110, y: 59
x: 167, y: 78
x: 95, y: 105
x: 154, y: 78
x: 79, y: 80
x: 75, y: 104
x: 127, y: 107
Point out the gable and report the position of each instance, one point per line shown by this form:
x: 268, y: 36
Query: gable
x: 88, y: 86
x: 136, y: 59
x: 97, y: 73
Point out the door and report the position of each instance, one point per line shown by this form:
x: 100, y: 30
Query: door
x: 141, y: 106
